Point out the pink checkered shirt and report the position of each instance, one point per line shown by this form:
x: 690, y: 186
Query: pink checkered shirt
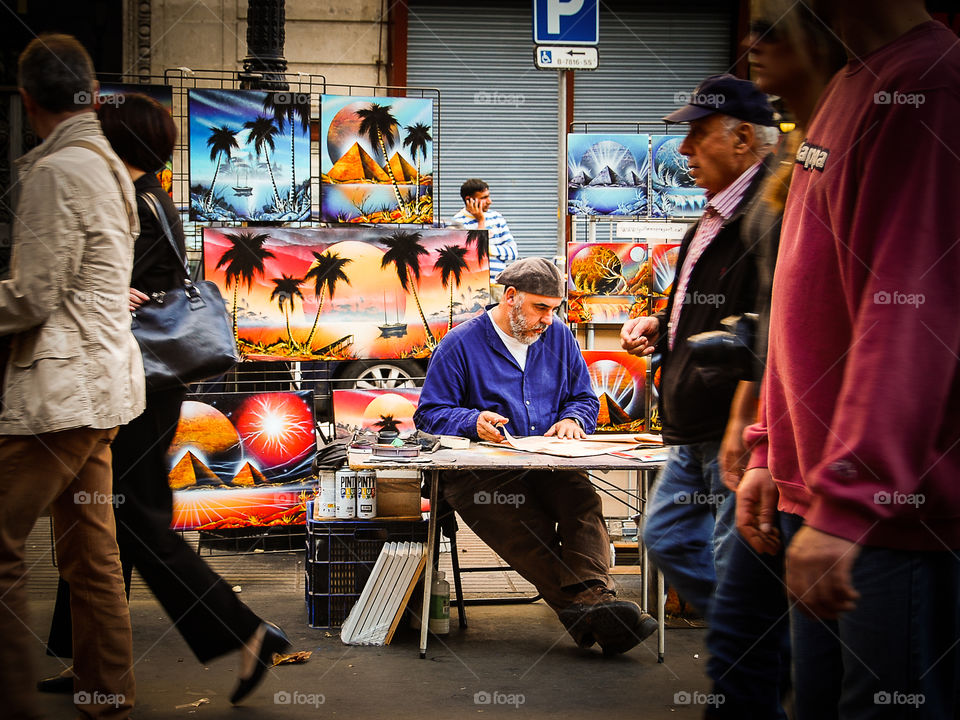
x: 720, y: 208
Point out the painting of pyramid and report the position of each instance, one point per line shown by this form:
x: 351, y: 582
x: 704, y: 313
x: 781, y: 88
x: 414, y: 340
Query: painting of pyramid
x: 620, y: 381
x: 607, y: 174
x: 376, y: 159
x: 242, y: 459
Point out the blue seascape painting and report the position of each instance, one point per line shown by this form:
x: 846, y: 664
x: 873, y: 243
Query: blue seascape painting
x: 607, y: 174
x: 249, y: 156
x: 675, y: 194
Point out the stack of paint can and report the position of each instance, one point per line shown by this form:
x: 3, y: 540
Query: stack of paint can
x: 325, y: 506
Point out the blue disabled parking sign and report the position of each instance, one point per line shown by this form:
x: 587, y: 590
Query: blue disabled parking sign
x: 566, y: 22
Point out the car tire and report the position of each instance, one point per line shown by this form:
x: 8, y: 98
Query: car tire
x: 381, y: 375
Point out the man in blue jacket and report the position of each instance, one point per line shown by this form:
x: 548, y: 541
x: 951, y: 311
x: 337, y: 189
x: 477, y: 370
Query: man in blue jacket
x: 514, y: 368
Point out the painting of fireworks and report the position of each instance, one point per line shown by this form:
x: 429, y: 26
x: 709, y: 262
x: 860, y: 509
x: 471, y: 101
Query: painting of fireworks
x: 242, y: 460
x: 346, y: 292
x: 163, y: 94
x: 376, y: 159
x: 675, y: 195
x: 663, y: 266
x: 375, y: 411
x: 607, y: 282
x: 607, y: 174
x: 249, y: 156
x: 620, y: 381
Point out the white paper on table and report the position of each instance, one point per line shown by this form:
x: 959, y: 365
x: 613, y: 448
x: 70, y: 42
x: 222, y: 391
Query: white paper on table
x: 566, y: 447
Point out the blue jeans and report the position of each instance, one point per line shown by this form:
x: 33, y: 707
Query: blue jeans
x: 749, y: 634
x: 691, y: 523
x: 896, y: 655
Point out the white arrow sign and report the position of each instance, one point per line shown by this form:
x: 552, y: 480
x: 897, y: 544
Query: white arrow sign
x: 549, y: 57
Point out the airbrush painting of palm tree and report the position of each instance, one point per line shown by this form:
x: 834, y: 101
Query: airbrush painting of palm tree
x: 289, y: 108
x: 244, y: 260
x: 387, y: 424
x: 326, y: 272
x: 404, y: 251
x: 261, y: 132
x: 482, y: 240
x: 286, y: 290
x: 451, y: 263
x: 418, y: 136
x: 379, y: 124
x: 222, y: 141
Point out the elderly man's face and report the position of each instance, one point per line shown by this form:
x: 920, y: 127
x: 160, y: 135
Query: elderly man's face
x: 714, y: 153
x: 530, y: 315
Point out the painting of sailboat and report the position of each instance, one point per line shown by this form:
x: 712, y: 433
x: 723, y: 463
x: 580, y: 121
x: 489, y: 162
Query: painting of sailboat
x: 346, y: 292
x: 249, y: 156
x: 376, y: 159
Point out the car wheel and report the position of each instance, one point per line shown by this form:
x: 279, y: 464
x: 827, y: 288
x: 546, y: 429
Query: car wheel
x: 382, y: 375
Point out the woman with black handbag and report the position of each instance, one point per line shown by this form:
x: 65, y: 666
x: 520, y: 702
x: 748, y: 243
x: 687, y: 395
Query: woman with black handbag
x: 202, y: 606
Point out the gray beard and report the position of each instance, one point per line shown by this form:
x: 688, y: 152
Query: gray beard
x: 519, y: 329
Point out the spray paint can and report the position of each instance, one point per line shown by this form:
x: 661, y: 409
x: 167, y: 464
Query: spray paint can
x: 366, y: 494
x: 346, y: 494
x: 325, y: 504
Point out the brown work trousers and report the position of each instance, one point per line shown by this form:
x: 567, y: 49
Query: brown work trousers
x: 548, y: 525
x: 68, y: 471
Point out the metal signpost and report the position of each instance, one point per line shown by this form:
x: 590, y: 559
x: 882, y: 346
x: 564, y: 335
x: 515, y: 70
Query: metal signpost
x: 565, y: 33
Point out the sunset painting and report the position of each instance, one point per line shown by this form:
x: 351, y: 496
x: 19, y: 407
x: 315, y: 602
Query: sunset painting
x: 607, y: 282
x: 346, y: 292
x: 375, y: 410
x: 620, y: 381
x: 376, y: 159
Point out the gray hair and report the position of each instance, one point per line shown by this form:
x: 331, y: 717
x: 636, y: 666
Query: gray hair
x: 57, y: 73
x: 766, y: 136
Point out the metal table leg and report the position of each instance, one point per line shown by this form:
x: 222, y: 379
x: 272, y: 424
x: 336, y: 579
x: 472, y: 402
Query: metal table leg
x: 428, y: 570
x: 644, y: 568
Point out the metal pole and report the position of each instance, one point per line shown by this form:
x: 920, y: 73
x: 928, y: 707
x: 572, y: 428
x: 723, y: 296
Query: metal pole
x: 561, y: 161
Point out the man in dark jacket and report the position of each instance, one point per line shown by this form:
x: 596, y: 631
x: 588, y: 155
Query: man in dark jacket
x: 689, y: 521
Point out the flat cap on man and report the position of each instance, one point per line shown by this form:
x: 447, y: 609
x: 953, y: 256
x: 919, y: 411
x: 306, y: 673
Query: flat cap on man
x: 727, y: 95
x: 533, y: 275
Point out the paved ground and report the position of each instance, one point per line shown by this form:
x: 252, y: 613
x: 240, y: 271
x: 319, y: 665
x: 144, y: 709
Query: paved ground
x: 511, y: 662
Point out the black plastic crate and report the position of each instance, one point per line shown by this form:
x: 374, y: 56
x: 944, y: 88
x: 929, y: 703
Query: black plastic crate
x: 340, y: 557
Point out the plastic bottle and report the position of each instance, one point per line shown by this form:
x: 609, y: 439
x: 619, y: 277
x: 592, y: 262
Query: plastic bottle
x: 439, y: 605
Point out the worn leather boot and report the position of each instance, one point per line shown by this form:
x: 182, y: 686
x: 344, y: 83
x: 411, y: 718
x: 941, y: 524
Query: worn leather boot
x: 595, y: 615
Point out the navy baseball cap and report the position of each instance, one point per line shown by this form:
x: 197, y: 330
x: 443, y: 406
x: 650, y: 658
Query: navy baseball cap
x: 728, y: 95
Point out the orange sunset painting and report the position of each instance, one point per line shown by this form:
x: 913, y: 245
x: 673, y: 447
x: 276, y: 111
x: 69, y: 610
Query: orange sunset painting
x: 375, y: 410
x: 347, y: 292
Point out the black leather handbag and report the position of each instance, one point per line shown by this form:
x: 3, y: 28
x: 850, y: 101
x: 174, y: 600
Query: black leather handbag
x: 185, y: 334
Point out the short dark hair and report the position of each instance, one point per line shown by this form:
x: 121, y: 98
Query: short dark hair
x: 140, y: 130
x: 57, y: 72
x: 471, y: 186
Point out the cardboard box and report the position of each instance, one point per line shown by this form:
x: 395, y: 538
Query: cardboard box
x: 398, y: 493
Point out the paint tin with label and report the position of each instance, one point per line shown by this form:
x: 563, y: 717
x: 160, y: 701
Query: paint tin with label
x: 325, y: 505
x: 366, y: 494
x: 346, y: 494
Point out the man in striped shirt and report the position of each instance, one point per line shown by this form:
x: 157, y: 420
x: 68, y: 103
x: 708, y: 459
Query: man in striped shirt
x: 690, y: 521
x: 477, y: 215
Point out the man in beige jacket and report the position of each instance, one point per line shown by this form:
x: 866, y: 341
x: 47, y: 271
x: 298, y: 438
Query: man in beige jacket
x: 74, y: 375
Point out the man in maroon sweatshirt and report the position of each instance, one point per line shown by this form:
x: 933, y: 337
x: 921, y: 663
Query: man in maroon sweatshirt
x: 859, y: 429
